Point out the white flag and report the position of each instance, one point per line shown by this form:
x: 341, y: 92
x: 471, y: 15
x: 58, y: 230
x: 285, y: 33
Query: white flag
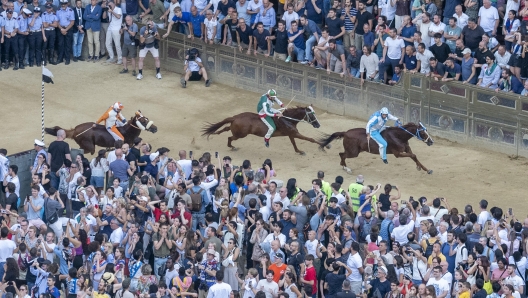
x: 46, y: 75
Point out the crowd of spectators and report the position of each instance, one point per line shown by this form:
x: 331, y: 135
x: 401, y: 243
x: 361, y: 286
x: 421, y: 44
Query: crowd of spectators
x: 139, y: 222
x: 478, y: 42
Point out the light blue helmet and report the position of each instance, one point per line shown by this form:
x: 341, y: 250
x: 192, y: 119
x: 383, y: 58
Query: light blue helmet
x: 384, y: 111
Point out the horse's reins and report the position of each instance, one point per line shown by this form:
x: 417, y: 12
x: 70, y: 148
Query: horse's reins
x: 417, y: 135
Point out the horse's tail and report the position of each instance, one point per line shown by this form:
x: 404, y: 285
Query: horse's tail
x: 327, y: 139
x: 53, y: 131
x: 212, y: 128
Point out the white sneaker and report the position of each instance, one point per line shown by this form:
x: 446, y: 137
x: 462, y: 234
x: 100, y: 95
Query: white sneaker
x: 158, y: 76
x: 119, y: 61
x: 139, y: 76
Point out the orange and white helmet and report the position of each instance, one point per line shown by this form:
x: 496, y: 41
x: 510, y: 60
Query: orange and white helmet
x: 118, y: 106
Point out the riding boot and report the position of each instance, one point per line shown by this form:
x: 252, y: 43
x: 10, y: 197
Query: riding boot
x: 15, y: 66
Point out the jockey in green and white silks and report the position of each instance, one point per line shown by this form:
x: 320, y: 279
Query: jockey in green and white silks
x: 375, y: 126
x: 266, y: 112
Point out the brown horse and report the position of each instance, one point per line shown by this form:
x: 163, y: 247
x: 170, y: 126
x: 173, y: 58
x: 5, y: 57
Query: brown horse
x: 87, y: 136
x: 355, y: 141
x: 247, y: 123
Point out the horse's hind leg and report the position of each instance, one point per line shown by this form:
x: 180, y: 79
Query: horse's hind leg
x: 414, y: 158
x: 231, y: 139
x: 292, y: 140
x: 227, y: 128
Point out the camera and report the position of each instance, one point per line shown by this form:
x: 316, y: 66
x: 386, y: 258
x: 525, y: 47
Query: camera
x: 4, y: 212
x: 170, y: 159
x: 459, y: 266
x: 191, y: 57
x: 38, y: 241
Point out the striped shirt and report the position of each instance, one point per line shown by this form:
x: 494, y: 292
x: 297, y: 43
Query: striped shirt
x: 349, y: 26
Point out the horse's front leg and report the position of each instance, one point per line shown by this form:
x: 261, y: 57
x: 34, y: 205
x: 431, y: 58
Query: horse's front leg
x: 413, y: 157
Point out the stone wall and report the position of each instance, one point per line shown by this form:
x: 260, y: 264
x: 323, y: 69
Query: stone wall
x: 457, y: 112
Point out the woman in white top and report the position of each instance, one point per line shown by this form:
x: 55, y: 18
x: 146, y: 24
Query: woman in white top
x: 181, y: 240
x: 99, y: 166
x: 290, y: 287
x: 419, y: 263
x: 250, y: 283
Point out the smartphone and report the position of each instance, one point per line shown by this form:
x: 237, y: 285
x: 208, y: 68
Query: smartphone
x: 393, y: 186
x: 509, y: 211
x: 216, y: 154
x: 102, y: 192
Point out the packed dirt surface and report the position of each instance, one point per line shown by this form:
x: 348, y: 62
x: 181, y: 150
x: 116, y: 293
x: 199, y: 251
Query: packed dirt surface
x: 83, y: 91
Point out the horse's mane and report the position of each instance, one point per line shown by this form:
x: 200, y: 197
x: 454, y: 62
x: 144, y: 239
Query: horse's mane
x: 293, y: 110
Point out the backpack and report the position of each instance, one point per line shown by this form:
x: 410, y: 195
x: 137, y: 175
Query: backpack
x: 365, y: 227
x: 429, y: 249
x: 196, y: 200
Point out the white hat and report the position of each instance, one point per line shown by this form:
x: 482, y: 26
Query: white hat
x: 143, y: 198
x: 37, y: 142
x: 154, y: 155
x: 466, y: 51
x: 27, y: 11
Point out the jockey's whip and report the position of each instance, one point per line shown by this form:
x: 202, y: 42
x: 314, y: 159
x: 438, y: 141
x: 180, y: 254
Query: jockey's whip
x: 290, y: 102
x: 84, y: 131
x: 368, y: 144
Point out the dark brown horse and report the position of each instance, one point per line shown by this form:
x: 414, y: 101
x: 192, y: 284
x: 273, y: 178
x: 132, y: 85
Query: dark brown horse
x: 87, y: 136
x: 247, y: 123
x: 355, y: 141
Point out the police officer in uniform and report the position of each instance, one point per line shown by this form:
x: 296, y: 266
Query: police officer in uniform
x: 65, y: 32
x: 23, y: 33
x: 50, y: 23
x: 10, y: 39
x: 36, y: 36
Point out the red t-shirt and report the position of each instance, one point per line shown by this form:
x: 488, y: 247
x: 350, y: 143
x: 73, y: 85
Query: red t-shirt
x: 186, y: 215
x: 157, y: 213
x: 309, y: 275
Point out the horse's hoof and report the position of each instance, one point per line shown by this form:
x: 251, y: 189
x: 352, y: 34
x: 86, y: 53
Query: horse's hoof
x: 430, y: 172
x: 302, y: 153
x: 328, y: 146
x: 418, y: 168
x: 234, y: 149
x: 348, y: 170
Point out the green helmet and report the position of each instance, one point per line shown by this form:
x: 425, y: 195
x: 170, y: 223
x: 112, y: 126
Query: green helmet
x: 272, y: 93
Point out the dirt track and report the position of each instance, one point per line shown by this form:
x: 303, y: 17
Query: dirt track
x: 82, y: 91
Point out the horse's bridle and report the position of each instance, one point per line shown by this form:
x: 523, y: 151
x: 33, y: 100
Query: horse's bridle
x: 417, y: 134
x: 138, y: 123
x: 306, y: 116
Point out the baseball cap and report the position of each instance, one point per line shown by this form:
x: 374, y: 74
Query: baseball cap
x: 37, y: 9
x: 466, y: 51
x: 153, y: 156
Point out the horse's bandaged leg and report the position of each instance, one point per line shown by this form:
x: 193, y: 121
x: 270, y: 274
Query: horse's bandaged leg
x: 271, y: 126
x: 381, y: 143
x: 115, y: 133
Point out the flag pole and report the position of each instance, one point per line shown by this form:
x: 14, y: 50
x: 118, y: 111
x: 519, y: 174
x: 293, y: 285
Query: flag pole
x: 42, y: 109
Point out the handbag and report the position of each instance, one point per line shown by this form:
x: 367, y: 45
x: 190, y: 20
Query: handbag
x: 52, y: 218
x: 257, y: 253
x: 488, y: 287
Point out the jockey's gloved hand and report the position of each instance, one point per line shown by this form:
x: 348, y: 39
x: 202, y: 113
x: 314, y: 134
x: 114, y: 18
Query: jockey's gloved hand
x: 124, y: 121
x: 398, y: 123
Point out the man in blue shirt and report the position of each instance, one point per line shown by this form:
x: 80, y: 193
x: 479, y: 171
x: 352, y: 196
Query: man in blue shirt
x: 266, y: 16
x: 184, y: 18
x: 198, y: 217
x: 452, y: 70
x: 196, y: 23
x: 409, y: 59
x: 509, y: 83
x: 297, y: 45
x: 65, y: 35
x: 406, y: 31
x: 396, y: 76
x: 313, y: 31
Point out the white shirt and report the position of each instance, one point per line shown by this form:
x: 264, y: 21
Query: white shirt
x: 311, y: 247
x: 521, y: 265
x: 252, y: 6
x: 219, y: 290
x: 439, y: 285
x: 265, y: 211
x: 488, y: 17
x: 369, y: 64
x: 394, y: 47
x: 185, y: 163
x: 437, y: 213
x: 400, y: 233
x: 512, y: 5
x: 193, y: 66
x: 271, y: 237
x: 355, y: 262
x: 269, y: 196
x: 440, y: 28
x: 387, y: 9
x: 424, y: 28
x: 209, y: 26
x: 200, y: 4
x: 266, y: 287
x: 449, y: 278
x: 6, y: 249
x: 50, y: 255
x: 15, y: 181
x: 111, y: 155
x: 172, y: 6
x: 215, y: 5
x: 483, y: 217
x: 115, y: 23
x: 462, y: 20
x: 4, y: 165
x: 516, y: 281
x: 502, y: 61
x: 116, y: 236
x: 461, y: 253
x: 289, y: 17
x: 285, y: 202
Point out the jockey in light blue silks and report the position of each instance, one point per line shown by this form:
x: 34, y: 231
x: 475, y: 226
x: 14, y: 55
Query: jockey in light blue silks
x: 375, y: 126
x: 266, y: 112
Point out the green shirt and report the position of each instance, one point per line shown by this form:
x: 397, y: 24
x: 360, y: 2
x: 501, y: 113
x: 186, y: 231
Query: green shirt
x: 164, y: 250
x: 158, y: 10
